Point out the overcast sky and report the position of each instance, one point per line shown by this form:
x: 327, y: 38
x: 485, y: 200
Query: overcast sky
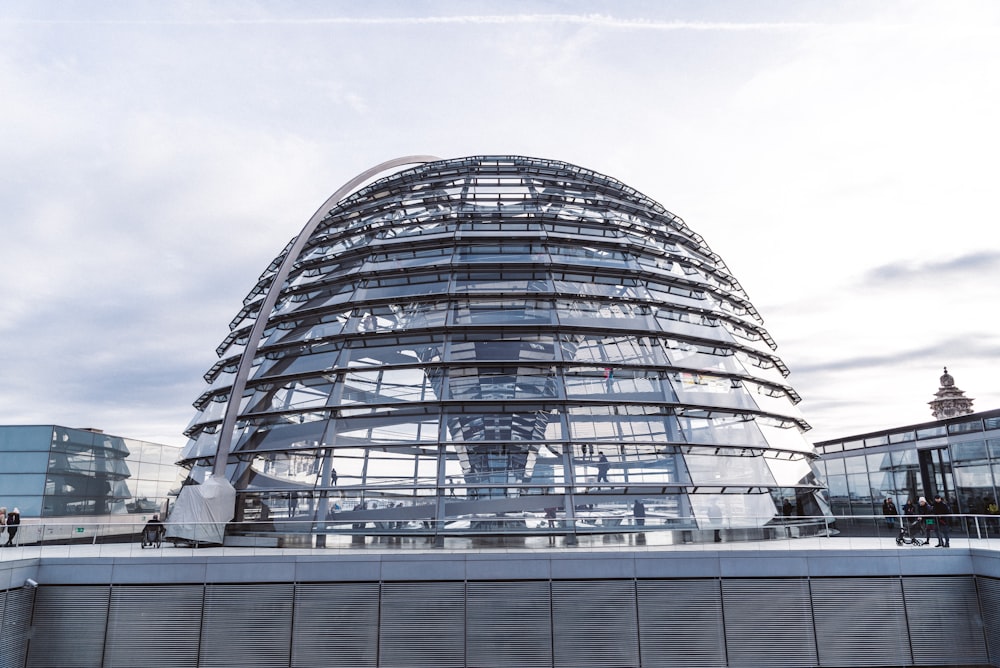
x: 841, y: 157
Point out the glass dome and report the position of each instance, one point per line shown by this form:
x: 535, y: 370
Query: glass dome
x: 500, y: 345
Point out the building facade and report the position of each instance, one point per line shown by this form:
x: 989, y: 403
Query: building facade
x: 495, y: 345
x: 957, y: 457
x: 50, y: 471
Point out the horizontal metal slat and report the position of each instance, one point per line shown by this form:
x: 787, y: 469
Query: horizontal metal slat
x: 422, y: 624
x: 680, y: 623
x: 989, y: 605
x: 860, y: 622
x: 336, y: 625
x: 154, y: 626
x: 594, y: 624
x: 15, y: 605
x: 246, y: 625
x: 77, y: 616
x: 768, y: 622
x: 946, y: 627
x: 509, y: 624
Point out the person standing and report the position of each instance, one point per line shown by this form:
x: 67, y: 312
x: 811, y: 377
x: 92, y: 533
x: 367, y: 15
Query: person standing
x: 925, y: 515
x: 639, y: 513
x: 890, y: 512
x: 942, y: 524
x: 13, y: 521
x: 602, y: 468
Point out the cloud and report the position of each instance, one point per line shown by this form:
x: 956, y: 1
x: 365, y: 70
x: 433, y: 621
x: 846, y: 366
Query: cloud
x: 582, y: 19
x: 965, y: 267
x: 969, y: 347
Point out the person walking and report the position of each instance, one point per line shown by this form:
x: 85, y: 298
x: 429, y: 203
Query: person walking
x: 13, y: 522
x: 942, y: 523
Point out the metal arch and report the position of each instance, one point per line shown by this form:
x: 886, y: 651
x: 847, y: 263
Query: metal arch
x: 250, y: 351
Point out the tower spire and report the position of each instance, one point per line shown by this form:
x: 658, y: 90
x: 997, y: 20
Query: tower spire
x: 949, y: 401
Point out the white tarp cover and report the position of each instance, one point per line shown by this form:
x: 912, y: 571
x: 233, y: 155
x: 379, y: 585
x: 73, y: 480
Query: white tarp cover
x: 201, y: 511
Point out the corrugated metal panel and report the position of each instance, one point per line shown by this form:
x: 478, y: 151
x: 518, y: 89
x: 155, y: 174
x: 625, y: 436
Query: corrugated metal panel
x: 594, y: 624
x: 75, y: 615
x: 768, y: 622
x: 680, y: 623
x: 989, y: 605
x: 423, y: 624
x: 335, y: 625
x: 154, y: 626
x: 860, y: 622
x: 508, y: 625
x: 945, y: 625
x: 16, y: 615
x: 246, y: 625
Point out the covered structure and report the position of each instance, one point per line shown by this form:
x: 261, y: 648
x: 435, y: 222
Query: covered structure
x: 499, y: 345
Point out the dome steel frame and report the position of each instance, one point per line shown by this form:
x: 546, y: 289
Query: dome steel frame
x: 498, y: 345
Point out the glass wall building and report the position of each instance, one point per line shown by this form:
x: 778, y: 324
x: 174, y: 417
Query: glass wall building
x: 958, y: 458
x: 501, y: 344
x: 52, y: 471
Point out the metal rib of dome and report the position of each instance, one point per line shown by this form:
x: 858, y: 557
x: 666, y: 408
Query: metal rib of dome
x: 501, y: 344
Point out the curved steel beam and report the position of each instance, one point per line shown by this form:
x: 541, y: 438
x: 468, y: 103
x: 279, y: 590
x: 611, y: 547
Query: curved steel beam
x: 250, y: 351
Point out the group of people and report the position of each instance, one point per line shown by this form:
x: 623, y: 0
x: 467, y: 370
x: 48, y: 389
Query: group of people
x: 934, y: 516
x: 9, y: 521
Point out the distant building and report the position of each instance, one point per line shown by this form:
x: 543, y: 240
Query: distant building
x: 957, y: 457
x: 949, y: 401
x: 52, y: 471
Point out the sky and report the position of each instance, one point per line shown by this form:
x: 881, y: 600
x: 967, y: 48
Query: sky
x: 841, y: 157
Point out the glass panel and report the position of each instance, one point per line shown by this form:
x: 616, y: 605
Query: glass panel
x: 623, y: 382
x: 993, y: 445
x: 839, y: 502
x: 23, y: 462
x: 728, y: 471
x: 974, y: 485
x: 931, y: 432
x: 965, y: 427
x: 387, y: 427
x: 503, y: 312
x: 902, y: 437
x: 723, y: 430
x: 705, y: 390
x: 835, y: 466
x: 861, y: 495
x: 789, y: 472
x: 601, y: 423
x: 501, y: 383
x: 21, y: 485
x: 855, y: 464
x: 503, y: 347
x: 969, y: 451
x: 390, y: 386
x: 24, y: 439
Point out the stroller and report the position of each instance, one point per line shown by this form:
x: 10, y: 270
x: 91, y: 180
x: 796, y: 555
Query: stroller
x: 906, y: 532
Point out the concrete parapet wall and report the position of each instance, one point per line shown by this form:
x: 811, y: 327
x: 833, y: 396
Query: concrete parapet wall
x: 779, y: 608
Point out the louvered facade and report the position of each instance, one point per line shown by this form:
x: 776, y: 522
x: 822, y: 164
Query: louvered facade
x: 501, y: 345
